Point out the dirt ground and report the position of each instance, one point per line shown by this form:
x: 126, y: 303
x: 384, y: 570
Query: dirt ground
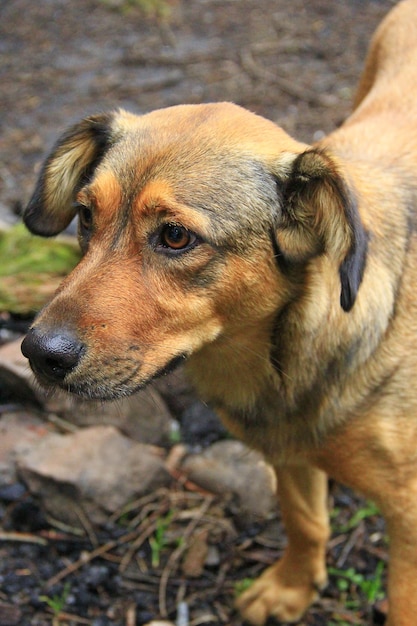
x: 294, y: 61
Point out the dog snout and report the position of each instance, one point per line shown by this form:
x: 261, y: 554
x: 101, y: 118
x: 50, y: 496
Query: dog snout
x: 52, y: 355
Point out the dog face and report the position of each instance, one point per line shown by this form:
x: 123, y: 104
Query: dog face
x: 197, y: 223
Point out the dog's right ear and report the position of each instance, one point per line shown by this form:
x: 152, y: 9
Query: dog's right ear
x: 73, y: 159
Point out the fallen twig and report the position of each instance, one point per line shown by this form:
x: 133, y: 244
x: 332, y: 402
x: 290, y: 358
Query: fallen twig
x: 87, y: 557
x: 70, y: 617
x: 176, y: 554
x: 350, y: 544
x: 22, y: 537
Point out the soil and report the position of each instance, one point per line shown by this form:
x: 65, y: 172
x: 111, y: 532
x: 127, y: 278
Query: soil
x: 295, y: 62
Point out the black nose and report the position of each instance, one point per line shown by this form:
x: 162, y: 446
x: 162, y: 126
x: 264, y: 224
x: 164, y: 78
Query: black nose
x: 52, y: 355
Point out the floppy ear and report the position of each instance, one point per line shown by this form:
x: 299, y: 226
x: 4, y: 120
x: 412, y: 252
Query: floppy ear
x: 319, y: 215
x: 72, y: 160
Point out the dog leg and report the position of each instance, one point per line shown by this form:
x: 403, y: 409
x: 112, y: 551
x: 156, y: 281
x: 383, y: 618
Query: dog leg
x: 402, y: 532
x: 287, y: 588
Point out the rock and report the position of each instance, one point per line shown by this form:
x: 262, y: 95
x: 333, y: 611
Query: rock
x: 92, y: 472
x: 14, y: 391
x: 18, y: 433
x: 144, y: 417
x: 230, y: 467
x: 17, y: 383
x: 11, y: 357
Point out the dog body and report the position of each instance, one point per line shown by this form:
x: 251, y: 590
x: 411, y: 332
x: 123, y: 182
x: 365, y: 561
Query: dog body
x: 283, y: 274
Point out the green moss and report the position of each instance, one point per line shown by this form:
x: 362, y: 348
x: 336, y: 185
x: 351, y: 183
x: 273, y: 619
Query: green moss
x: 151, y: 8
x: 31, y: 268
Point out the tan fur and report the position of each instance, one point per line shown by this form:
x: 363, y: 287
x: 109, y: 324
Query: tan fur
x: 293, y: 300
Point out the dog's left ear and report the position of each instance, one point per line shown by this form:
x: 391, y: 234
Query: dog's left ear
x: 319, y: 215
x: 72, y: 160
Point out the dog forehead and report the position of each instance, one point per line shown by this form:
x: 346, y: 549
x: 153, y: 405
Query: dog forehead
x: 214, y: 146
x: 214, y: 118
x: 172, y: 171
x: 195, y: 133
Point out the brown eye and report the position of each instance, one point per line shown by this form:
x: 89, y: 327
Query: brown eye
x: 85, y: 216
x: 176, y: 237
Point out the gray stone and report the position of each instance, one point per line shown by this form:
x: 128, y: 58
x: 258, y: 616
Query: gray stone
x: 230, y: 467
x: 144, y: 417
x: 18, y: 433
x: 17, y: 383
x: 90, y: 473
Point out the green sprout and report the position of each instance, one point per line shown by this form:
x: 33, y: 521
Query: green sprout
x: 372, y: 589
x: 368, y: 510
x: 242, y: 585
x: 58, y: 601
x: 159, y: 540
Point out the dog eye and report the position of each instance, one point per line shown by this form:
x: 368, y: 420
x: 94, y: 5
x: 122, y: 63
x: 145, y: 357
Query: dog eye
x: 176, y: 237
x: 85, y: 216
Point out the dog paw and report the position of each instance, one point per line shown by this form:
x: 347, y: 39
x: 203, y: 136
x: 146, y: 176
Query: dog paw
x: 271, y: 596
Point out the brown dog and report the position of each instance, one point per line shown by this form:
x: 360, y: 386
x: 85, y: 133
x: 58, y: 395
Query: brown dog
x: 285, y: 275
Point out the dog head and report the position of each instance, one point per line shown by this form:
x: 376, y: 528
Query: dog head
x: 196, y: 222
